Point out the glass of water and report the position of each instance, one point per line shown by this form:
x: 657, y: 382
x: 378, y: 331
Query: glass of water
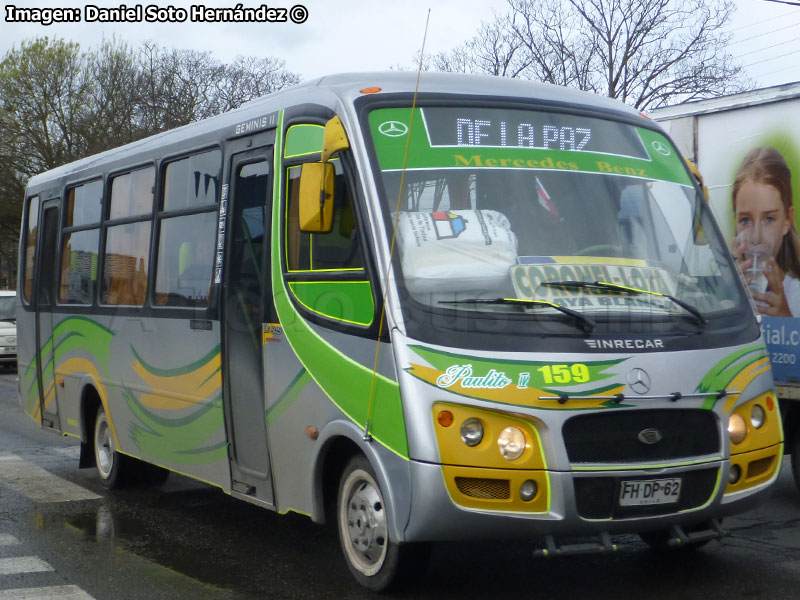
x: 754, y: 276
x: 756, y: 251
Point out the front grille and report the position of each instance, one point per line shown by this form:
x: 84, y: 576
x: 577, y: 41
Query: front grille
x: 489, y: 489
x: 598, y: 497
x: 614, y: 436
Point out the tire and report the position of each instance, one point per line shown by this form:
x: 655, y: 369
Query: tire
x: 111, y: 465
x: 795, y: 449
x: 375, y: 561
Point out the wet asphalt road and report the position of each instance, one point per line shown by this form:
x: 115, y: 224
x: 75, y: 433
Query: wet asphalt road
x: 186, y: 540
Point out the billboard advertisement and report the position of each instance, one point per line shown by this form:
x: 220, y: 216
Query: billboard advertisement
x: 749, y: 157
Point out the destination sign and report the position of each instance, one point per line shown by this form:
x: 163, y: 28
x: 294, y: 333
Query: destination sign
x: 502, y: 128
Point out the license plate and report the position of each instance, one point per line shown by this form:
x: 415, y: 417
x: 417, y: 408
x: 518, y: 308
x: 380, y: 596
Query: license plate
x: 649, y: 491
x: 9, y: 350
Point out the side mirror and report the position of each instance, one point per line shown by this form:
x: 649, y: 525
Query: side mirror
x: 698, y: 234
x: 316, y: 197
x: 316, y: 182
x: 698, y: 177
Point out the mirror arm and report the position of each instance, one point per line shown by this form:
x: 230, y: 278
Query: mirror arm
x: 334, y: 139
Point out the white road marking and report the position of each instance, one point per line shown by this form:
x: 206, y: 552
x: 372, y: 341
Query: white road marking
x: 23, y: 564
x: 39, y: 484
x: 61, y: 592
x: 6, y: 539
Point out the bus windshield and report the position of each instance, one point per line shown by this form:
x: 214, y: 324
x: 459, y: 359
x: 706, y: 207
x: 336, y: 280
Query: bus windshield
x: 509, y: 211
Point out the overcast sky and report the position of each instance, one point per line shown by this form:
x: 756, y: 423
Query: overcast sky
x: 361, y: 35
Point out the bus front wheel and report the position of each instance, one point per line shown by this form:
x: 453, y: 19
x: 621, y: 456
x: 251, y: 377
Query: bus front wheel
x: 374, y: 560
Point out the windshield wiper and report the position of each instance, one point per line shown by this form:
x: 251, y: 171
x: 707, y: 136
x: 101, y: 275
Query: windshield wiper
x: 585, y: 322
x: 604, y: 285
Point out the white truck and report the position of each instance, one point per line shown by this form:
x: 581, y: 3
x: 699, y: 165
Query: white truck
x: 716, y: 135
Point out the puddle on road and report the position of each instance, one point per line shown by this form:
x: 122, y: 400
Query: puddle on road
x: 114, y: 551
x: 198, y: 542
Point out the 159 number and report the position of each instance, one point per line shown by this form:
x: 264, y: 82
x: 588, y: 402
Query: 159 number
x: 575, y: 373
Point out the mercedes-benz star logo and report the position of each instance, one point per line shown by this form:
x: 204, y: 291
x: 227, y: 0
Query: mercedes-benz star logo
x: 639, y: 380
x: 661, y: 148
x: 393, y: 128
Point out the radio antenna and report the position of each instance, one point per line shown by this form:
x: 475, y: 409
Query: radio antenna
x: 367, y: 436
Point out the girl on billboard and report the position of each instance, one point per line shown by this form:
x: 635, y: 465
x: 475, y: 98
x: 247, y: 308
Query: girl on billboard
x: 767, y: 245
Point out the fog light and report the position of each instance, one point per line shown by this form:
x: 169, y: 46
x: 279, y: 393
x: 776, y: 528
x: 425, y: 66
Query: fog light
x: 528, y: 490
x: 734, y: 474
x: 737, y: 428
x: 471, y: 432
x: 757, y: 416
x: 511, y: 443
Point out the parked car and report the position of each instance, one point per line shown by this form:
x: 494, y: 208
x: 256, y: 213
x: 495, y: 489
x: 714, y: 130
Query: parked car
x: 8, y: 328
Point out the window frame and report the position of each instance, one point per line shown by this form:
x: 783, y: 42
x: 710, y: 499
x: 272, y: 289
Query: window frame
x: 364, y: 274
x: 28, y: 297
x: 160, y: 215
x: 108, y: 223
x: 64, y: 231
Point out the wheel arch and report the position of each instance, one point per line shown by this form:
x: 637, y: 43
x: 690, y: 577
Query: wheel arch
x: 790, y: 415
x: 338, y: 442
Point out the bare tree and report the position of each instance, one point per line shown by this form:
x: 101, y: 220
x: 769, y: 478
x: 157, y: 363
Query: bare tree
x: 646, y: 53
x: 494, y: 50
x: 58, y: 104
x: 43, y: 87
x: 249, y: 77
x: 109, y: 118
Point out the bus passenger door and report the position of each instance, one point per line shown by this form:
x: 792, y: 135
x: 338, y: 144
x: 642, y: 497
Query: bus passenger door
x: 45, y: 301
x: 246, y: 286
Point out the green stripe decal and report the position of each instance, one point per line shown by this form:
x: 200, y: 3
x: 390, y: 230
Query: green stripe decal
x: 720, y: 375
x: 176, y: 440
x: 344, y: 381
x: 289, y: 395
x: 179, y: 370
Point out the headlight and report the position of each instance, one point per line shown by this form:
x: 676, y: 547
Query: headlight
x: 757, y: 416
x: 737, y: 428
x: 511, y: 443
x: 471, y: 432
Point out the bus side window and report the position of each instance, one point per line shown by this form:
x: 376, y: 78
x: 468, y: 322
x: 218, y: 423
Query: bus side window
x: 79, y: 267
x: 81, y: 243
x: 125, y: 265
x: 127, y: 249
x: 186, y: 242
x: 335, y: 250
x: 185, y: 260
x: 31, y: 233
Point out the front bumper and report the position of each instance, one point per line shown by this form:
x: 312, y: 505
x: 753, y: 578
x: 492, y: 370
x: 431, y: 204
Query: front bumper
x: 450, y: 503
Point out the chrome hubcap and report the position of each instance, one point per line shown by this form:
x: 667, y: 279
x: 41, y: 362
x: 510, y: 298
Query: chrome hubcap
x: 363, y: 522
x: 104, y: 449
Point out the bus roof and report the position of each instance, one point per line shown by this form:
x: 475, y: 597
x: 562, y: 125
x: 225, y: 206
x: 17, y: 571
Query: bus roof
x: 343, y: 89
